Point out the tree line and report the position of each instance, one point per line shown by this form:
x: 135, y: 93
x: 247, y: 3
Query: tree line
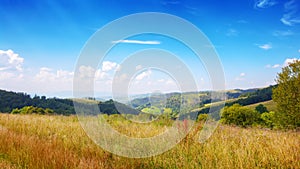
x: 286, y: 94
x: 12, y: 100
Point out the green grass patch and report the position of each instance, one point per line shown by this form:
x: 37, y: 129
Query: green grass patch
x: 271, y: 105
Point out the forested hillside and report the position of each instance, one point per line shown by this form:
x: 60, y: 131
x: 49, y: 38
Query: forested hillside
x: 12, y: 100
x: 260, y: 95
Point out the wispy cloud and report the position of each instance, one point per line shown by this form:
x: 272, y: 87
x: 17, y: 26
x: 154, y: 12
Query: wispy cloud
x: 291, y: 16
x: 264, y: 3
x: 284, y: 64
x: 283, y: 33
x: 273, y: 66
x: 138, y: 42
x: 143, y: 75
x: 267, y: 46
x: 192, y: 10
x: 276, y: 66
x: 170, y: 2
x: 240, y: 77
x: 232, y: 32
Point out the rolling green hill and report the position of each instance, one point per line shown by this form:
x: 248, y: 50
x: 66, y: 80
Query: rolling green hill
x: 270, y: 105
x: 196, y: 101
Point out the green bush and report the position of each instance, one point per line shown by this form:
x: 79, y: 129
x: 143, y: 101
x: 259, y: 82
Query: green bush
x: 267, y: 119
x: 15, y: 111
x: 261, y: 108
x: 202, y: 117
x: 240, y: 116
x: 32, y: 110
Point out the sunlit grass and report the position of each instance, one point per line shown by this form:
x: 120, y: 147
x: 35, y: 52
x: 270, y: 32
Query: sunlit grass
x: 35, y: 141
x: 270, y: 105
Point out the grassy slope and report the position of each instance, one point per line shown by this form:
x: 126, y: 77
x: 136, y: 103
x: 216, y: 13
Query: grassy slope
x: 214, y: 104
x: 33, y: 141
x: 271, y: 105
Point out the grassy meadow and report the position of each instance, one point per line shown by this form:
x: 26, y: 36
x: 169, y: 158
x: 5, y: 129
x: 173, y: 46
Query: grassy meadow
x: 270, y: 105
x: 42, y: 141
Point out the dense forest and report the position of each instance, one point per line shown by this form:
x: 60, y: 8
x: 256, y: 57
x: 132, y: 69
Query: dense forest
x: 10, y: 101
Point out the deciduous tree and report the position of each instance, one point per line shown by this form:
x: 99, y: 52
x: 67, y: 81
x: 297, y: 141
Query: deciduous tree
x: 287, y: 96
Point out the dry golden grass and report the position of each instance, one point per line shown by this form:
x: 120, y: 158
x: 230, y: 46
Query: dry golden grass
x: 34, y: 141
x: 6, y: 165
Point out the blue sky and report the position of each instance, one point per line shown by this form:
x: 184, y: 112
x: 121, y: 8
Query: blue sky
x: 40, y: 41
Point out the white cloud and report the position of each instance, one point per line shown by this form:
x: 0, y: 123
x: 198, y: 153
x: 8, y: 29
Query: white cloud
x: 48, y: 75
x: 45, y: 80
x: 6, y: 75
x: 10, y: 60
x: 4, y: 68
x: 288, y: 20
x: 161, y: 80
x: 143, y: 75
x: 45, y: 75
x: 299, y: 50
x: 138, y: 42
x: 107, y: 66
x: 276, y: 66
x: 11, y: 67
x: 264, y: 3
x: 64, y: 74
x: 100, y: 75
x: 273, y: 66
x: 289, y: 60
x: 170, y: 82
x: 232, y: 32
x: 240, y: 77
x: 265, y: 46
x: 291, y: 15
x: 286, y: 63
x: 86, y: 72
x: 283, y: 33
x: 46, y: 69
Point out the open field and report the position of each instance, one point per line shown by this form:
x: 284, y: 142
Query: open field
x: 270, y: 105
x: 36, y: 141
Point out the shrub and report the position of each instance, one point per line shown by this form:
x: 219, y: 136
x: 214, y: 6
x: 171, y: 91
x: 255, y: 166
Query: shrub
x: 32, y: 110
x: 239, y: 115
x: 267, y: 119
x: 261, y: 108
x: 202, y: 117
